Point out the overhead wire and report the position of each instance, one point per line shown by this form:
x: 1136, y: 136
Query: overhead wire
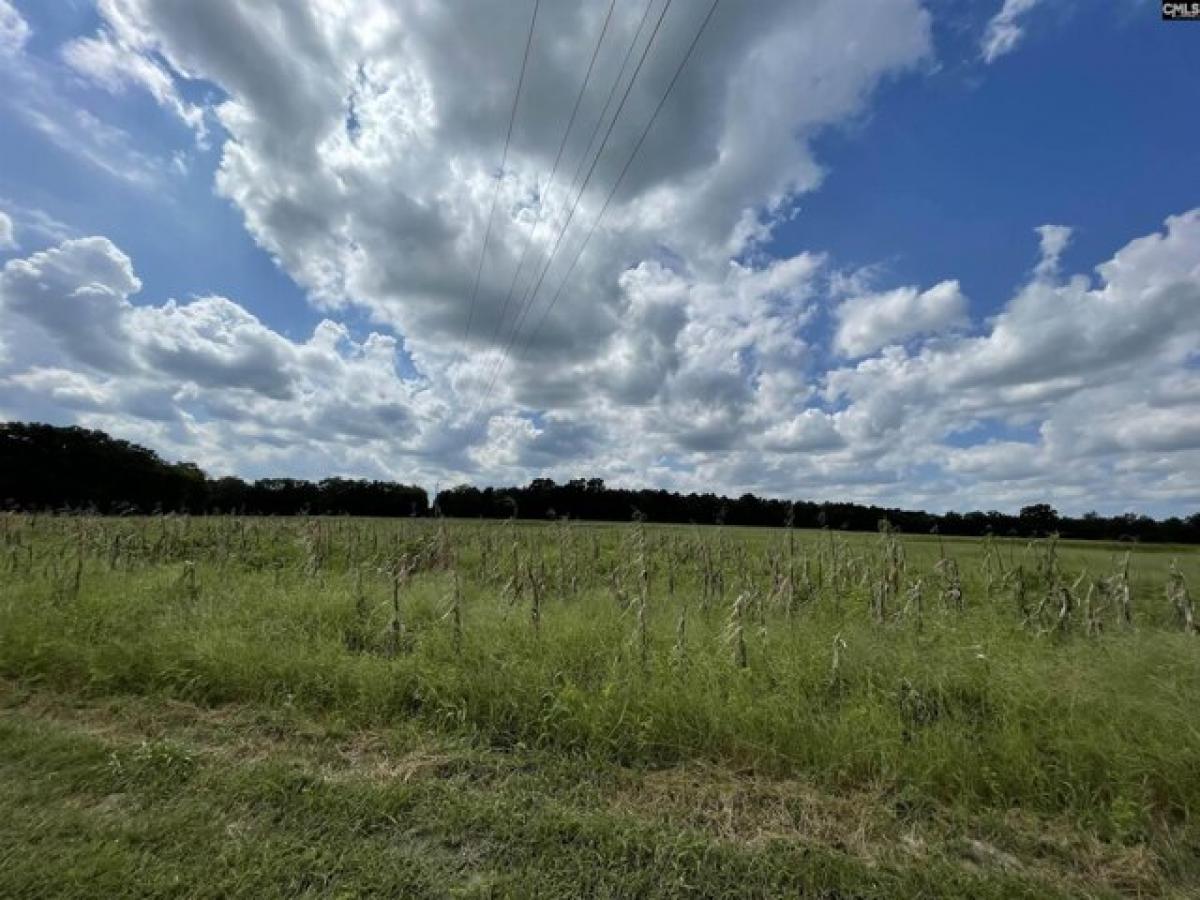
x: 531, y: 295
x: 554, y: 171
x: 512, y: 117
x: 612, y: 192
x: 612, y: 92
x: 522, y: 305
x: 624, y: 171
x: 536, y: 287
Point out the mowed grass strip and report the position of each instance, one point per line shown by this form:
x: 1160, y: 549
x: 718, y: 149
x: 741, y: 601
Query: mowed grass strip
x: 238, y: 804
x: 153, y: 756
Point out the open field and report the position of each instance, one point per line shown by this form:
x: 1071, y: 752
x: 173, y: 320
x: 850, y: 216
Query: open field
x: 335, y: 707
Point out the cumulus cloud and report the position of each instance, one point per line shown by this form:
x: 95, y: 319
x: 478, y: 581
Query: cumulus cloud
x: 869, y: 322
x: 1102, y: 368
x: 77, y: 294
x: 360, y: 143
x: 361, y: 148
x: 85, y: 346
x: 1054, y: 240
x: 1004, y: 30
x: 810, y: 431
x: 7, y: 239
x: 14, y: 30
x: 1097, y: 374
x: 998, y: 461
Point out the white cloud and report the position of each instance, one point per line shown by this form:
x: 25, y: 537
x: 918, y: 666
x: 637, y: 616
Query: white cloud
x: 32, y: 220
x: 14, y: 30
x: 1103, y: 370
x: 7, y: 239
x: 869, y: 322
x: 998, y: 461
x: 360, y: 148
x: 113, y: 62
x: 810, y: 431
x: 83, y: 345
x: 1004, y: 31
x: 1054, y: 240
x: 77, y: 294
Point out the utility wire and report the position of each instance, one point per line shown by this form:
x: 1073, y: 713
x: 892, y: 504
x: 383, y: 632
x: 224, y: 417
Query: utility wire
x: 523, y: 305
x: 512, y: 117
x: 615, y: 187
x: 532, y: 295
x: 624, y: 171
x: 554, y: 171
x: 612, y: 92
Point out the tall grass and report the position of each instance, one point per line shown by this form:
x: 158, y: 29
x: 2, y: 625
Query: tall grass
x: 1057, y: 678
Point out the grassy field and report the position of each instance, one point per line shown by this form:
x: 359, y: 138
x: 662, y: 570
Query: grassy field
x: 339, y: 707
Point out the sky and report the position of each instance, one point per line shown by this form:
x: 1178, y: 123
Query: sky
x: 941, y: 254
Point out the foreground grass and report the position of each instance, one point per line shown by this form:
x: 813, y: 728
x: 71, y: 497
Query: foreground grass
x: 151, y: 798
x: 215, y: 716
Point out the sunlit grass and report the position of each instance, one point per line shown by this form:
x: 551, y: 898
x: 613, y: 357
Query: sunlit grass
x: 559, y: 648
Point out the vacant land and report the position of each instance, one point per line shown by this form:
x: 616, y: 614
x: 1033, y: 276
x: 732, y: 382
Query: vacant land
x: 339, y: 707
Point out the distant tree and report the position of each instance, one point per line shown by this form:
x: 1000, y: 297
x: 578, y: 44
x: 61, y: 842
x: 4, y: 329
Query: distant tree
x: 227, y: 494
x: 1039, y: 519
x: 48, y: 467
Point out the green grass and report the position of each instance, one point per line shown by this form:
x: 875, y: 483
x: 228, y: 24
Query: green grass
x: 228, y: 708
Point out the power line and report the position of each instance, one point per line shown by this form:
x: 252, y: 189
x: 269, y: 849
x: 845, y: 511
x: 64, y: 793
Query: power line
x: 530, y: 292
x: 554, y: 170
x: 615, y: 187
x: 523, y: 305
x: 512, y: 117
x: 531, y: 295
x: 612, y: 92
x: 620, y: 178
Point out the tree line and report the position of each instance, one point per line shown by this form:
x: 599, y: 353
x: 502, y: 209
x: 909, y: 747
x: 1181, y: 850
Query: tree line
x: 44, y: 467
x: 591, y: 499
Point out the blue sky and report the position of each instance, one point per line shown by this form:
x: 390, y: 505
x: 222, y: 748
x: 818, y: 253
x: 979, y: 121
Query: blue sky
x: 825, y: 280
x: 1085, y: 124
x: 186, y: 239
